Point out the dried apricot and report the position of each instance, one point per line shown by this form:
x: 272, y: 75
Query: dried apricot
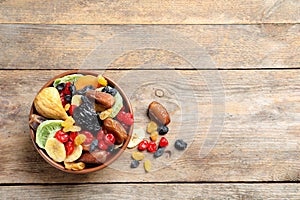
x: 79, y: 139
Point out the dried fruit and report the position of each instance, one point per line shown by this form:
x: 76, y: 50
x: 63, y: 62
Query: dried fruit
x: 105, y: 114
x: 45, y: 130
x: 76, y: 100
x: 134, y: 164
x: 75, y: 154
x: 154, y: 136
x: 158, y: 113
x: 61, y: 136
x: 79, y: 139
x: 86, y: 80
x: 72, y: 129
x: 180, y: 144
x: 67, y: 107
x: 151, y: 147
x: 137, y: 136
x: 102, y: 81
x: 147, y: 165
x: 116, y: 129
x: 69, y: 146
x: 68, y: 122
x: 163, y: 142
x: 163, y: 130
x: 137, y: 155
x: 55, y: 149
x: 104, y: 99
x: 95, y: 157
x: 109, y: 139
x: 48, y: 104
x: 89, y: 137
x: 151, y: 127
x: 160, y: 151
x: 74, y: 166
x: 143, y: 145
x: 126, y: 118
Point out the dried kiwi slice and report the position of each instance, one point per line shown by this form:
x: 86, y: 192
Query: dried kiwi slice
x: 68, y: 78
x: 46, y: 130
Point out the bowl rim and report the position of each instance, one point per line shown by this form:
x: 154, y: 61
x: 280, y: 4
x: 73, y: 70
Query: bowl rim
x: 106, y: 163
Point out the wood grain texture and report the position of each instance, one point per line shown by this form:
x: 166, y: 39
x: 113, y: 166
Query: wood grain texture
x: 157, y: 191
x: 259, y: 141
x: 70, y: 46
x: 145, y: 12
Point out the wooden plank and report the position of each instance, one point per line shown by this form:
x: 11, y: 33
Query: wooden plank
x: 259, y: 140
x: 157, y: 191
x: 145, y: 12
x: 227, y: 46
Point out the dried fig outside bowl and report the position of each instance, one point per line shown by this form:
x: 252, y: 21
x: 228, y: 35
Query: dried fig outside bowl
x: 100, y: 164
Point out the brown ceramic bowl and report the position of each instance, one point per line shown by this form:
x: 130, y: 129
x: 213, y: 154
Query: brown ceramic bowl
x: 112, y: 157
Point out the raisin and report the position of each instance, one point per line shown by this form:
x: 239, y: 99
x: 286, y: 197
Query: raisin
x: 180, y: 144
x: 159, y: 152
x: 135, y: 164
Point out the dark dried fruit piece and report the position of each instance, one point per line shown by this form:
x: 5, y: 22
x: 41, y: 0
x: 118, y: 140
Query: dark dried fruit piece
x: 158, y: 113
x: 114, y: 127
x: 180, y: 144
x: 159, y: 152
x: 135, y: 164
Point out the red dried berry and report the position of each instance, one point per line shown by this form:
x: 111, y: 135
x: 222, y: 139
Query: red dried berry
x: 163, y: 142
x: 151, y: 147
x: 69, y: 146
x: 143, y: 145
x: 61, y: 136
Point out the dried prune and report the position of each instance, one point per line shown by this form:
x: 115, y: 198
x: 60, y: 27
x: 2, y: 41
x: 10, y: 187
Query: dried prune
x: 84, y: 90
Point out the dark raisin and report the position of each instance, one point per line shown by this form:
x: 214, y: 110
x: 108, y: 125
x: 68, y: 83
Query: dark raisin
x: 163, y: 130
x: 180, y: 144
x: 84, y: 90
x: 105, y: 89
x: 72, y: 89
x: 94, y: 145
x: 111, y: 148
x: 135, y: 164
x: 113, y: 91
x: 60, y: 86
x: 68, y: 98
x: 159, y: 152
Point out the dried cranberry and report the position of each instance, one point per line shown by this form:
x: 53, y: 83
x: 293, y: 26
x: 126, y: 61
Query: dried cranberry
x: 69, y: 146
x: 72, y: 136
x: 102, y: 145
x: 109, y: 139
x: 151, y: 147
x: 163, y: 142
x: 89, y: 137
x: 71, y: 109
x: 126, y: 118
x: 61, y: 136
x: 100, y: 135
x: 143, y: 145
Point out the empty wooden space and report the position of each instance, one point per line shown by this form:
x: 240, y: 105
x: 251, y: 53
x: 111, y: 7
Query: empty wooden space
x: 244, y: 52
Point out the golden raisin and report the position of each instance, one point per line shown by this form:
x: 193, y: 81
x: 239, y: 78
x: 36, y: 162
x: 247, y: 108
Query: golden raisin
x: 105, y: 114
x: 79, y: 139
x: 154, y: 136
x: 151, y: 127
x: 147, y: 165
x: 138, y: 155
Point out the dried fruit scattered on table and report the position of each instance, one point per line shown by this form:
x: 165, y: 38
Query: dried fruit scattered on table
x: 160, y: 151
x: 151, y: 127
x: 55, y: 149
x: 137, y: 155
x: 154, y: 136
x: 75, y: 154
x: 158, y: 113
x: 134, y: 164
x: 48, y: 104
x: 163, y: 142
x: 147, y: 165
x: 180, y: 144
x: 163, y: 130
x: 137, y: 136
x: 152, y: 147
x: 143, y: 145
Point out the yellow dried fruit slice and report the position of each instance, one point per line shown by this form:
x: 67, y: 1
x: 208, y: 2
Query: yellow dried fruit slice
x: 68, y: 122
x: 105, y: 114
x: 76, y: 100
x: 55, y: 149
x: 151, y: 127
x: 147, y: 165
x: 137, y: 155
x: 79, y: 139
x: 74, y: 166
x: 72, y: 129
x: 67, y: 107
x: 86, y: 80
x: 102, y: 81
x: 137, y: 136
x: 75, y: 155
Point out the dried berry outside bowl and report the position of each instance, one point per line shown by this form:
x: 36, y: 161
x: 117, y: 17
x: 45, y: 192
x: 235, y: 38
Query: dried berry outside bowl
x: 80, y: 103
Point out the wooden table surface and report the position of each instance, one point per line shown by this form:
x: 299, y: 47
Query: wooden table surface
x: 248, y: 53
